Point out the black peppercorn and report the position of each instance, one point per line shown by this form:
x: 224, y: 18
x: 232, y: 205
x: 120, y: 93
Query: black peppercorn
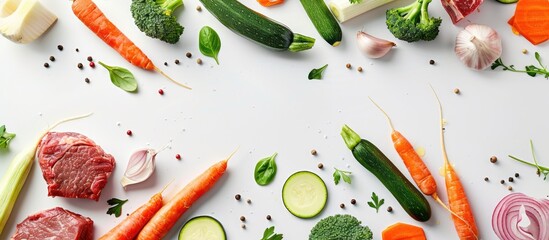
x: 432, y: 62
x: 353, y: 201
x: 268, y: 217
x: 511, y: 179
x: 52, y: 58
x: 389, y: 209
x: 80, y: 65
x: 342, y: 205
x: 60, y: 47
x: 46, y: 65
x: 237, y: 197
x: 242, y: 218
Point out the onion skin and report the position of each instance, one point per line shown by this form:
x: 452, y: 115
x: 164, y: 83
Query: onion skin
x: 478, y: 46
x: 507, y: 216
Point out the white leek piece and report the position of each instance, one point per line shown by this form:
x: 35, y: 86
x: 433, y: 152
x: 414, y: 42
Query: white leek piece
x: 344, y: 10
x: 23, y: 21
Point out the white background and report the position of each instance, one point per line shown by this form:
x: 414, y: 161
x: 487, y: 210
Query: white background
x: 261, y: 101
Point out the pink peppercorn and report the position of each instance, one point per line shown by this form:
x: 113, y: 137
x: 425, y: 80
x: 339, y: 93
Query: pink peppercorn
x: 177, y: 156
x: 160, y: 91
x: 92, y: 64
x: 129, y: 132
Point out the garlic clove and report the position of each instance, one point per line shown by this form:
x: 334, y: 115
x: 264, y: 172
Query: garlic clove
x: 372, y: 46
x: 478, y: 46
x: 140, y: 167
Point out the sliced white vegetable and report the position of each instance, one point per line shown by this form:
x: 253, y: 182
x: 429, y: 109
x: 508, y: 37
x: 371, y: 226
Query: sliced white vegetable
x: 23, y: 21
x: 344, y: 10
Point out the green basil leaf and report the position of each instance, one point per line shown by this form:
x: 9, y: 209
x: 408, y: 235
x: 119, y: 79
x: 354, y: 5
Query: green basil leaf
x: 317, y: 72
x: 209, y: 43
x: 121, y: 78
x: 265, y: 170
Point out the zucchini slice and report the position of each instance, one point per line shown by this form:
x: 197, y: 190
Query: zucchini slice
x: 304, y: 194
x: 202, y: 228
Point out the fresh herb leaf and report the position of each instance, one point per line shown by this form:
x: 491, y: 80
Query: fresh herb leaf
x: 531, y: 70
x: 540, y: 169
x: 265, y: 170
x: 209, y: 43
x: 376, y: 202
x: 355, y: 1
x: 5, y: 137
x: 116, y: 208
x: 339, y: 174
x: 317, y: 72
x: 121, y: 77
x: 269, y: 234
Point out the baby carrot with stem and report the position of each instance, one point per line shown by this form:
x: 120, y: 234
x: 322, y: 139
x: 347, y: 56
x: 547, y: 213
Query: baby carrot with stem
x: 167, y: 216
x: 464, y: 221
x: 88, y: 12
x: 132, y: 225
x: 415, y: 165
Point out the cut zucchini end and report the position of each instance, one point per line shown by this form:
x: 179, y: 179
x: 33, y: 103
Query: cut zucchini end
x: 304, y: 194
x: 202, y: 227
x: 336, y: 44
x: 301, y: 43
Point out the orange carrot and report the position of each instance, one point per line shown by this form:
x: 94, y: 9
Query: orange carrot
x: 403, y: 231
x: 268, y: 3
x: 532, y: 21
x: 167, y: 216
x: 88, y: 12
x: 464, y: 221
x: 417, y: 168
x: 132, y: 225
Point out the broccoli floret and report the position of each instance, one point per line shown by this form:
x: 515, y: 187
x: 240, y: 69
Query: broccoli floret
x: 412, y: 23
x: 155, y: 19
x: 339, y: 227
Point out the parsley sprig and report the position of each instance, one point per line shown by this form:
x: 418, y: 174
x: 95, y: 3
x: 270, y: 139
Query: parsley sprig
x: 531, y: 70
x: 339, y: 174
x: 5, y: 137
x: 376, y: 202
x: 540, y: 169
x: 116, y: 208
x: 269, y: 234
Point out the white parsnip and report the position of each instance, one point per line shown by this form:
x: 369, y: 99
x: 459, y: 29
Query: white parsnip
x: 14, y: 178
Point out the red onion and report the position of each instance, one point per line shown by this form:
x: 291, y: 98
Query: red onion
x: 507, y: 219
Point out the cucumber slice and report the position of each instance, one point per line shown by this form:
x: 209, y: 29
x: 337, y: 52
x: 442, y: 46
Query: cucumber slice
x: 304, y: 194
x: 202, y: 228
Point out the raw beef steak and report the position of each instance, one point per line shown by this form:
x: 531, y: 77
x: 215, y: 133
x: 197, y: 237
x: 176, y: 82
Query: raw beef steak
x: 55, y: 224
x: 73, y: 165
x: 459, y: 9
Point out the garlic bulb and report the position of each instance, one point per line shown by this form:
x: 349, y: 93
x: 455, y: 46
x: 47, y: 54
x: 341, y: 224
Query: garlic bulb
x: 140, y: 167
x: 373, y: 47
x: 478, y: 46
x: 23, y: 21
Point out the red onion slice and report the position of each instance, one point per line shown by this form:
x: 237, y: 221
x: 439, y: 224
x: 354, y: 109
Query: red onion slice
x: 507, y: 219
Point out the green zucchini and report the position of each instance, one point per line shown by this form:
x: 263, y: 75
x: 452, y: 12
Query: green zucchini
x: 325, y: 23
x: 369, y: 156
x: 257, y: 27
